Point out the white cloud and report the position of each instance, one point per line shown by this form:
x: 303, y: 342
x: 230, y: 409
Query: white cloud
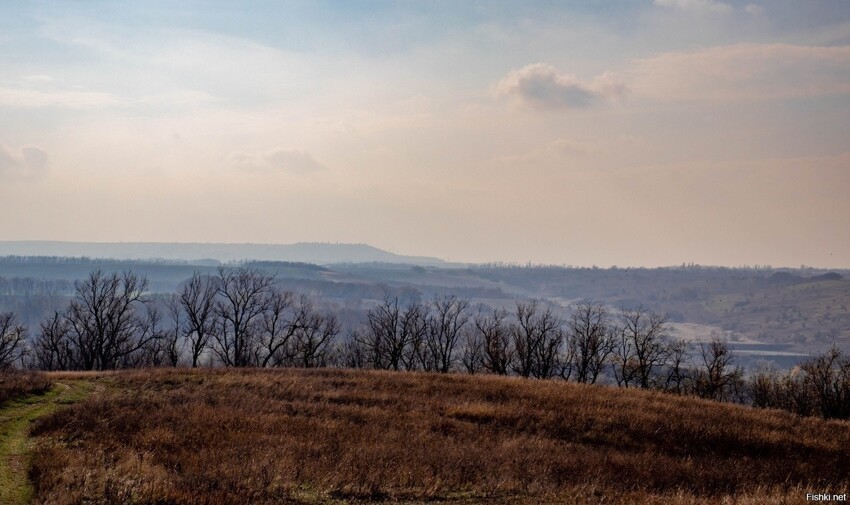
x: 744, y: 72
x: 753, y: 9
x: 27, y: 163
x: 696, y: 5
x: 540, y: 86
x: 295, y: 161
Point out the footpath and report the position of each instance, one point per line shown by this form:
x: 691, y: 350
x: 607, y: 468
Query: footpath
x: 15, y: 419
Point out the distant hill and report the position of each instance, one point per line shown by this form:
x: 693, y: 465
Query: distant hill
x: 317, y: 253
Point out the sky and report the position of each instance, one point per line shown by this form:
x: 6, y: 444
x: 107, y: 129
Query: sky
x: 629, y: 133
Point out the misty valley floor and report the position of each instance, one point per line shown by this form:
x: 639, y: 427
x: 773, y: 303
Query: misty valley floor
x: 334, y: 436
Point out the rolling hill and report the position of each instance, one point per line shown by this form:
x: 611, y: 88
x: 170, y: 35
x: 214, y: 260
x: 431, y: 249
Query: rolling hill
x: 317, y: 253
x: 338, y: 436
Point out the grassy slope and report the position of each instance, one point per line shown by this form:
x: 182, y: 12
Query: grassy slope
x: 15, y: 419
x: 296, y: 436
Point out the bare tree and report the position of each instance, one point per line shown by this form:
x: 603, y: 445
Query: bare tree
x: 105, y: 324
x: 153, y: 353
x: 279, y: 323
x: 381, y: 339
x: 167, y: 332
x: 524, y: 336
x: 175, y: 333
x: 353, y: 353
x: 314, y: 338
x: 53, y: 350
x: 678, y: 378
x: 642, y: 347
x: 244, y: 296
x: 548, y: 351
x: 197, y: 298
x: 12, y: 338
x: 472, y: 356
x: 828, y: 378
x: 718, y: 377
x: 763, y: 387
x: 566, y: 362
x: 789, y: 391
x: 591, y: 340
x: 624, y: 364
x: 497, y: 353
x: 413, y: 334
x: 537, y: 337
x: 444, y: 329
x: 394, y: 337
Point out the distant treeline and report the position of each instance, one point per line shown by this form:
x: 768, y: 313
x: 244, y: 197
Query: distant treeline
x: 85, y: 260
x: 240, y: 317
x: 28, y: 286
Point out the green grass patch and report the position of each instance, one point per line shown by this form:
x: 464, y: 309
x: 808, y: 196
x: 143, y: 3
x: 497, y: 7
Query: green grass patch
x: 15, y: 419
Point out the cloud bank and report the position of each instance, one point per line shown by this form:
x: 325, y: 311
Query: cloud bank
x: 540, y: 86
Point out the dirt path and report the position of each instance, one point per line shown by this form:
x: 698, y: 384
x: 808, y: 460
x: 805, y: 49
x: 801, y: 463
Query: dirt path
x: 15, y: 419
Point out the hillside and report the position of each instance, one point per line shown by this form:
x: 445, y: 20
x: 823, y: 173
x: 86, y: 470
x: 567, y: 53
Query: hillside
x: 330, y: 436
x: 317, y: 253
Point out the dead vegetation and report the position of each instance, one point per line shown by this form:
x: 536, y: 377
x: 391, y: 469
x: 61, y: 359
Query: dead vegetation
x: 334, y: 436
x: 16, y: 384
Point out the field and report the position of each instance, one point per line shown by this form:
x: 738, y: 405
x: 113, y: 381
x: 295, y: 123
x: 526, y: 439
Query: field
x: 331, y: 436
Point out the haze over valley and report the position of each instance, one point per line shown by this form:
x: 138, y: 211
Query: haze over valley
x: 770, y: 315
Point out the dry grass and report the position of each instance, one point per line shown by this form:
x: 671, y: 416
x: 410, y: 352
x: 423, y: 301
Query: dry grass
x: 330, y: 436
x: 17, y: 384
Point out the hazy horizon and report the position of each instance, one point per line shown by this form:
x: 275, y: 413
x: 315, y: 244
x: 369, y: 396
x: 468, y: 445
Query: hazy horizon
x: 347, y: 252
x: 645, y: 133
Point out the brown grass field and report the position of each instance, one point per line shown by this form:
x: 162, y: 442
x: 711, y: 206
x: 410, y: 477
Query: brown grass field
x: 332, y: 436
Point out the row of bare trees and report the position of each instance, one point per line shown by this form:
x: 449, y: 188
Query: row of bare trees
x: 239, y: 318
x: 441, y: 335
x: 819, y: 386
x: 410, y: 336
x: 629, y: 347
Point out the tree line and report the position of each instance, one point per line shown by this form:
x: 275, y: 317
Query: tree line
x: 240, y: 318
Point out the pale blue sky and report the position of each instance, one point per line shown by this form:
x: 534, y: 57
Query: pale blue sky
x: 633, y: 133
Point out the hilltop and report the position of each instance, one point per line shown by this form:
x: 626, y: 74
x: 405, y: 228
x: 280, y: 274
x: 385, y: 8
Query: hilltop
x: 338, y: 436
x: 309, y: 252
